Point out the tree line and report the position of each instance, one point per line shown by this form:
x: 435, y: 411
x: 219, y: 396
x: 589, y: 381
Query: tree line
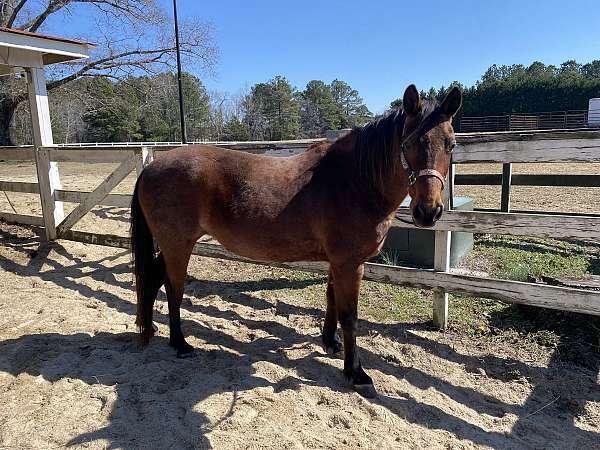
x: 127, y: 91
x: 517, y: 88
x: 145, y: 108
x: 132, y: 37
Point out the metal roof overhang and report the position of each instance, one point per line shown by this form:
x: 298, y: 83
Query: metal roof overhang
x: 21, y: 49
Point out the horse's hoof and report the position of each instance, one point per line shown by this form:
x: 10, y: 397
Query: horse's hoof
x: 334, y: 347
x: 365, y: 390
x: 184, y: 350
x: 361, y: 382
x: 335, y: 350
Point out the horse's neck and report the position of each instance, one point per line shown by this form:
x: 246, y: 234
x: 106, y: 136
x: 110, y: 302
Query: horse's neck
x: 395, y: 184
x: 396, y: 190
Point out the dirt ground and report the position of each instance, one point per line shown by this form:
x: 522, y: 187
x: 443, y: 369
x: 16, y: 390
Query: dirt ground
x: 72, y: 372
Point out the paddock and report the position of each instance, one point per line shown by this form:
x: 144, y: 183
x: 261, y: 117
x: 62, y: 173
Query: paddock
x: 72, y: 372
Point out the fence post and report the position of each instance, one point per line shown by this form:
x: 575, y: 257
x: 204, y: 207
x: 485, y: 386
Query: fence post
x: 146, y: 156
x: 506, y: 184
x: 441, y: 261
x: 47, y: 171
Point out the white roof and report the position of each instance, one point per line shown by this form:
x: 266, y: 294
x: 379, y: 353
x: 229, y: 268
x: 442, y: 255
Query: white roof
x: 19, y: 49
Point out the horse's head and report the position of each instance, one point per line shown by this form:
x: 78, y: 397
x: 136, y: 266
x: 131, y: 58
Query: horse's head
x: 428, y: 141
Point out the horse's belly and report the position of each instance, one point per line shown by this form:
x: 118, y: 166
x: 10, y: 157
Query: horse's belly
x: 270, y: 246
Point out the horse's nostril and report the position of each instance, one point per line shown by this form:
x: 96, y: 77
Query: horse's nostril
x: 438, y: 212
x: 419, y: 211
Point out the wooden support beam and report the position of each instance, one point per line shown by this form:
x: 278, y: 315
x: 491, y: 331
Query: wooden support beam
x: 518, y: 224
x: 22, y: 219
x: 506, y: 184
x: 96, y: 196
x: 441, y: 262
x: 23, y: 153
x: 47, y: 171
x: 540, y: 295
x: 19, y: 186
x: 118, y: 200
x: 573, y: 146
x: 559, y: 180
x: 88, y: 155
x: 144, y: 157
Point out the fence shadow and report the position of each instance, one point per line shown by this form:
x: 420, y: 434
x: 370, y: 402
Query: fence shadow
x: 112, y: 213
x: 155, y: 391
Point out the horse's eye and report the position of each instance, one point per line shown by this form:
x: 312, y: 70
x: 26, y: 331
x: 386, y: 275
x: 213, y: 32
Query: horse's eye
x: 452, y: 145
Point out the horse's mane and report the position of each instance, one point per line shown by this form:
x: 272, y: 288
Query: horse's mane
x: 376, y: 152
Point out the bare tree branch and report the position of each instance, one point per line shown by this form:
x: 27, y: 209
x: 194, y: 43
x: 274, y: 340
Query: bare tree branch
x: 109, y: 62
x: 133, y: 37
x: 53, y: 6
x: 11, y: 20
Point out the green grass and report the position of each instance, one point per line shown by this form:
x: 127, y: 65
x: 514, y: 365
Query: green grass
x: 389, y: 257
x: 519, y: 259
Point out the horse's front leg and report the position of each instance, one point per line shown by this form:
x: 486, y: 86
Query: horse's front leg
x: 346, y: 281
x: 331, y: 341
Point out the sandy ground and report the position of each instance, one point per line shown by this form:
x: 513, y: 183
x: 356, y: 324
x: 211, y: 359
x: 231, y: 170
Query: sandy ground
x: 536, y: 198
x: 72, y: 372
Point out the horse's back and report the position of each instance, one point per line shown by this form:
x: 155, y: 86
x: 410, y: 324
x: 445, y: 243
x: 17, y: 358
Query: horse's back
x: 255, y: 205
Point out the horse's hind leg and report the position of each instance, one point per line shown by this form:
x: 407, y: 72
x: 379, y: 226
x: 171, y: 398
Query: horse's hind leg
x: 154, y: 283
x: 177, y: 260
x: 331, y: 340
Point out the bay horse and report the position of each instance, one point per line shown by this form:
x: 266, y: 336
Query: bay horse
x: 335, y: 202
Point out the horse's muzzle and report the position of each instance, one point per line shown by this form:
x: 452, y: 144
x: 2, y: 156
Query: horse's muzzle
x: 426, y: 216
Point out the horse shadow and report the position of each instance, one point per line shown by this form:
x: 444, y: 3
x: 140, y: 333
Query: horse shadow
x: 226, y: 368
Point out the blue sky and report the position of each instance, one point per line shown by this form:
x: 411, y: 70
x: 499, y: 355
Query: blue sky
x: 379, y: 47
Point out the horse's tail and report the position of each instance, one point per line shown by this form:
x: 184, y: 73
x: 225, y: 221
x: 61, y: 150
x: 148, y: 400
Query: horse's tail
x: 145, y: 266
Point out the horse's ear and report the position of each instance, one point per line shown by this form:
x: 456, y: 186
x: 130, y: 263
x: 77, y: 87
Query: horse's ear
x: 452, y: 102
x: 411, y: 102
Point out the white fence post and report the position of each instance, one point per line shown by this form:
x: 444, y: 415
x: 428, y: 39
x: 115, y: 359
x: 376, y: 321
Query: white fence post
x: 47, y: 171
x: 146, y: 156
x: 441, y: 261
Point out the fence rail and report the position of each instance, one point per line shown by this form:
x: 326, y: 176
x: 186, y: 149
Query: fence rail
x: 503, y: 147
x: 494, y: 179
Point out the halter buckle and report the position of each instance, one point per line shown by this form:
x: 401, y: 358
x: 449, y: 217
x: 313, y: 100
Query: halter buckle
x: 412, y: 178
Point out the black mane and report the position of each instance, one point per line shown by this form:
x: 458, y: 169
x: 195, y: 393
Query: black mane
x: 377, y: 145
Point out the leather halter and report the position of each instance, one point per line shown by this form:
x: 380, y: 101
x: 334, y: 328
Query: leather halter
x: 414, y: 175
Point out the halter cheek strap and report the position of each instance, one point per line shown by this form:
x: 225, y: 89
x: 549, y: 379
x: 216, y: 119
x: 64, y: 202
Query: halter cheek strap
x: 414, y: 175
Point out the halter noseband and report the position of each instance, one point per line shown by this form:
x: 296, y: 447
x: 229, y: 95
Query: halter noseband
x: 414, y: 175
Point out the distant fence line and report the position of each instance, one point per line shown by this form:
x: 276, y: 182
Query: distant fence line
x: 533, y: 121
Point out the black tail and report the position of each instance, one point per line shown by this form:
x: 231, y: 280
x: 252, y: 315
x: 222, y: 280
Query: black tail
x: 149, y: 269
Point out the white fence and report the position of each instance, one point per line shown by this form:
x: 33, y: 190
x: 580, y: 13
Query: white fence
x: 510, y: 147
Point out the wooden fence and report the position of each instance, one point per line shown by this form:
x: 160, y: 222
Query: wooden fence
x: 506, y: 148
